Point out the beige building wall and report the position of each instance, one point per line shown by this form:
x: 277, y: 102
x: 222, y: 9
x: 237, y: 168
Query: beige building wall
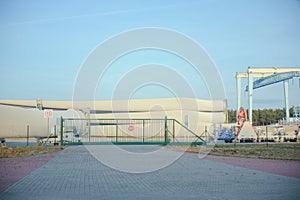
x: 196, y: 114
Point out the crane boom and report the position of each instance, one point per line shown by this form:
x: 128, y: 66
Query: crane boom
x: 275, y: 78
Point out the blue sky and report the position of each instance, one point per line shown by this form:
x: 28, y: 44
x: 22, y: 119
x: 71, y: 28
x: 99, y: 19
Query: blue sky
x: 44, y: 43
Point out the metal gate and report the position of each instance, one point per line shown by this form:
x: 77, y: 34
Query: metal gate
x: 125, y: 131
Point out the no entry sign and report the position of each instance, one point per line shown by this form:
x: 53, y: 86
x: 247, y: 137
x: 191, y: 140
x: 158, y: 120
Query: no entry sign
x: 130, y: 128
x: 48, y: 113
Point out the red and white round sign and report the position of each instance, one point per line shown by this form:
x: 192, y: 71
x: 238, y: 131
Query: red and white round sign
x: 130, y: 128
x: 48, y: 113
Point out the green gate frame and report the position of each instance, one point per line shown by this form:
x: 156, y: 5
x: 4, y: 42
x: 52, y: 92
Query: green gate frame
x: 166, y: 140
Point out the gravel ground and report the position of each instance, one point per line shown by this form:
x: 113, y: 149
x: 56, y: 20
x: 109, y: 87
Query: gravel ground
x: 13, y: 169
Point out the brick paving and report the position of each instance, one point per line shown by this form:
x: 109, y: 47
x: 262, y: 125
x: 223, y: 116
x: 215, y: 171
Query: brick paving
x: 289, y: 168
x: 76, y: 174
x: 13, y: 169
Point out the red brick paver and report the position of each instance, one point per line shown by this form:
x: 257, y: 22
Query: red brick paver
x: 13, y: 169
x: 281, y: 167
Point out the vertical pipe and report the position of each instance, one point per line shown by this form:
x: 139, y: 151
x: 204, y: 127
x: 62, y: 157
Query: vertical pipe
x: 286, y: 98
x: 238, y: 94
x: 250, y: 96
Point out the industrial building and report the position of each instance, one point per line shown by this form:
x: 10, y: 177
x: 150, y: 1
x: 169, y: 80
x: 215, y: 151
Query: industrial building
x: 197, y: 115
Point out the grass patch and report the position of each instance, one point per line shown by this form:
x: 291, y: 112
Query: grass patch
x: 10, y: 152
x: 283, y: 151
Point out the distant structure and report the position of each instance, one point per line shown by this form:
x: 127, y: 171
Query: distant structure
x: 241, y: 118
x: 267, y: 76
x: 39, y: 104
x: 245, y: 130
x: 296, y: 112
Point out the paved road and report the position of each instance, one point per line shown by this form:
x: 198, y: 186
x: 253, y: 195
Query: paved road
x: 76, y: 174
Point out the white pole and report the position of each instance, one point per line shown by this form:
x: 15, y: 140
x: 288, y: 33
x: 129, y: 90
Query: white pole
x: 250, y: 95
x: 238, y: 94
x: 286, y: 98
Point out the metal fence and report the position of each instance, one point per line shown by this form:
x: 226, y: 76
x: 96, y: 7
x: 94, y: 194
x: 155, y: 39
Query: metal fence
x: 126, y: 131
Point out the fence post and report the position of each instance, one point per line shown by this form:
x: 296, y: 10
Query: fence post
x: 116, y: 131
x: 143, y: 131
x: 173, y: 130
x: 27, y: 135
x: 166, y: 130
x: 55, y: 135
x: 267, y: 136
x: 61, y: 130
x: 89, y: 128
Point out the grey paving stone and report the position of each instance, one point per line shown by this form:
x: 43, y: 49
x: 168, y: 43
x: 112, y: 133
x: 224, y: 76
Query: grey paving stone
x: 76, y: 174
